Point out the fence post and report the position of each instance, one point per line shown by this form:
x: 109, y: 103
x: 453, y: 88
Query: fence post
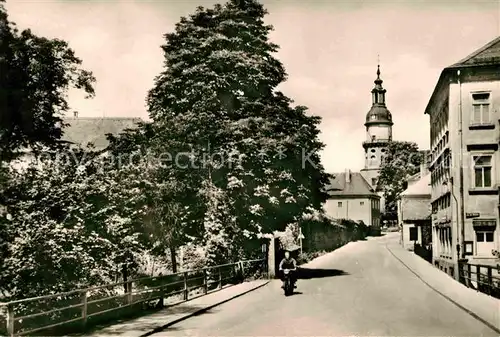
x: 469, y: 275
x: 490, y: 280
x: 220, y: 278
x: 242, y: 272
x: 479, y: 278
x: 84, y: 309
x: 185, y: 286
x: 205, y: 281
x: 10, y: 320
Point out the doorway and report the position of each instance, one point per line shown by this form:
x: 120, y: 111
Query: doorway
x: 485, y: 242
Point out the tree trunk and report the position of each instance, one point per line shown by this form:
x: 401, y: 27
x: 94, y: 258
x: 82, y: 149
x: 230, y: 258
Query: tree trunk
x: 125, y: 277
x: 173, y: 258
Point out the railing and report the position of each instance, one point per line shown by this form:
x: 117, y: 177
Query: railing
x: 75, y: 309
x: 483, y: 278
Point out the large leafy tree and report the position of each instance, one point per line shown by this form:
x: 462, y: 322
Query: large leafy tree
x: 254, y: 155
x: 35, y: 75
x: 172, y: 211
x: 402, y: 160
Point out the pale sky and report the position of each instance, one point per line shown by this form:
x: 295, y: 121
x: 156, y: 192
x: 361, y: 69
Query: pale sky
x: 329, y: 49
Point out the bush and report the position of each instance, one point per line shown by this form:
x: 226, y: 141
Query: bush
x: 306, y: 257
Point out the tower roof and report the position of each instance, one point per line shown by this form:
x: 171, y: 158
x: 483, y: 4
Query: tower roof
x: 378, y: 114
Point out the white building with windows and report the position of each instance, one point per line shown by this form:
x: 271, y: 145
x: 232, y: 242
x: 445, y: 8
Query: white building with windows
x: 464, y: 112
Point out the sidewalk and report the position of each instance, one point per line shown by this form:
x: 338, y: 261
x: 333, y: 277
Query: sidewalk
x: 479, y: 305
x: 147, y: 325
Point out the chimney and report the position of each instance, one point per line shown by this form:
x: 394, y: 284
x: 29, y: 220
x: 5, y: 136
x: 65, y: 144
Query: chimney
x: 75, y: 114
x: 347, y: 176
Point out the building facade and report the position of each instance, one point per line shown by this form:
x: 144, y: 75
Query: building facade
x: 414, y: 211
x: 464, y: 112
x: 351, y: 197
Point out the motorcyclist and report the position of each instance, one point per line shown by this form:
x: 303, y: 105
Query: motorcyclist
x: 289, y: 263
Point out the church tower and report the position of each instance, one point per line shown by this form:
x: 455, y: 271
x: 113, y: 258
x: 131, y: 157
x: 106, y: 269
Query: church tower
x: 378, y: 133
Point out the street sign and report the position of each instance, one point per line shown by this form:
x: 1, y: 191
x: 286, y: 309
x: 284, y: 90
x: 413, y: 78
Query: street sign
x: 472, y: 215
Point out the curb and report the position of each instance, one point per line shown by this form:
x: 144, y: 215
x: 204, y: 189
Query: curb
x: 471, y: 313
x: 202, y: 310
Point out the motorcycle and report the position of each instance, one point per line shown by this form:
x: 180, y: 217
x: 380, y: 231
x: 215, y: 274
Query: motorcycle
x: 288, y: 285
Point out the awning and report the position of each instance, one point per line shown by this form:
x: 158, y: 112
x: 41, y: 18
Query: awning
x: 484, y: 223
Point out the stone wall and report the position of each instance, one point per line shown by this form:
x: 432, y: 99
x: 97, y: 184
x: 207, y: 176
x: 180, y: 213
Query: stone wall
x: 328, y: 235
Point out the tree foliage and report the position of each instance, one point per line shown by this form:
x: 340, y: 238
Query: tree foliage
x: 401, y: 161
x: 226, y: 157
x: 255, y: 155
x: 35, y: 75
x: 72, y: 225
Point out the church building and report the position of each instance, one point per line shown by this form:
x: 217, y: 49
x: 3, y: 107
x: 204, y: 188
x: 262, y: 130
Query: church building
x: 356, y: 195
x: 378, y: 134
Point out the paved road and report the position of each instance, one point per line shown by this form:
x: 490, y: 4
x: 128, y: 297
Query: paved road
x: 361, y: 290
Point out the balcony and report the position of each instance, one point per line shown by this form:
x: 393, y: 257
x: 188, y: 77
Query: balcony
x: 376, y: 142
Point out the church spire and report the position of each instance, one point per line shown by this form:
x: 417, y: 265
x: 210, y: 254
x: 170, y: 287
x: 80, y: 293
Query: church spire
x: 378, y: 92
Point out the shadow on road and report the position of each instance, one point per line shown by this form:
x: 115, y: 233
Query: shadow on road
x: 309, y: 273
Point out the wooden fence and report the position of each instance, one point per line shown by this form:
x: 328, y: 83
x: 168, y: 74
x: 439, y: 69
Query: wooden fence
x: 77, y: 309
x: 483, y: 278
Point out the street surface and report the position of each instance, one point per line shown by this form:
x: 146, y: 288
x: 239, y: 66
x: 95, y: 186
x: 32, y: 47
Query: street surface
x: 360, y: 289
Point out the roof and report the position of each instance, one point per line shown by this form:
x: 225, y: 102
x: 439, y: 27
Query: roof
x: 357, y: 186
x: 420, y: 188
x: 487, y: 55
x: 85, y: 130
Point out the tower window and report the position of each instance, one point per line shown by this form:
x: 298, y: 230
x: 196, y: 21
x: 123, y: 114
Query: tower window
x: 383, y: 150
x: 373, y: 150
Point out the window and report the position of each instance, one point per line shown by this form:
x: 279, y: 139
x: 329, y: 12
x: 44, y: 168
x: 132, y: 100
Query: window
x: 413, y: 234
x: 482, y: 171
x: 484, y: 236
x: 339, y: 204
x: 374, y: 181
x: 361, y: 203
x: 481, y: 108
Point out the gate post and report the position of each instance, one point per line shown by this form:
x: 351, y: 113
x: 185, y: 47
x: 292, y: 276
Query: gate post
x: 271, y: 258
x: 271, y: 255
